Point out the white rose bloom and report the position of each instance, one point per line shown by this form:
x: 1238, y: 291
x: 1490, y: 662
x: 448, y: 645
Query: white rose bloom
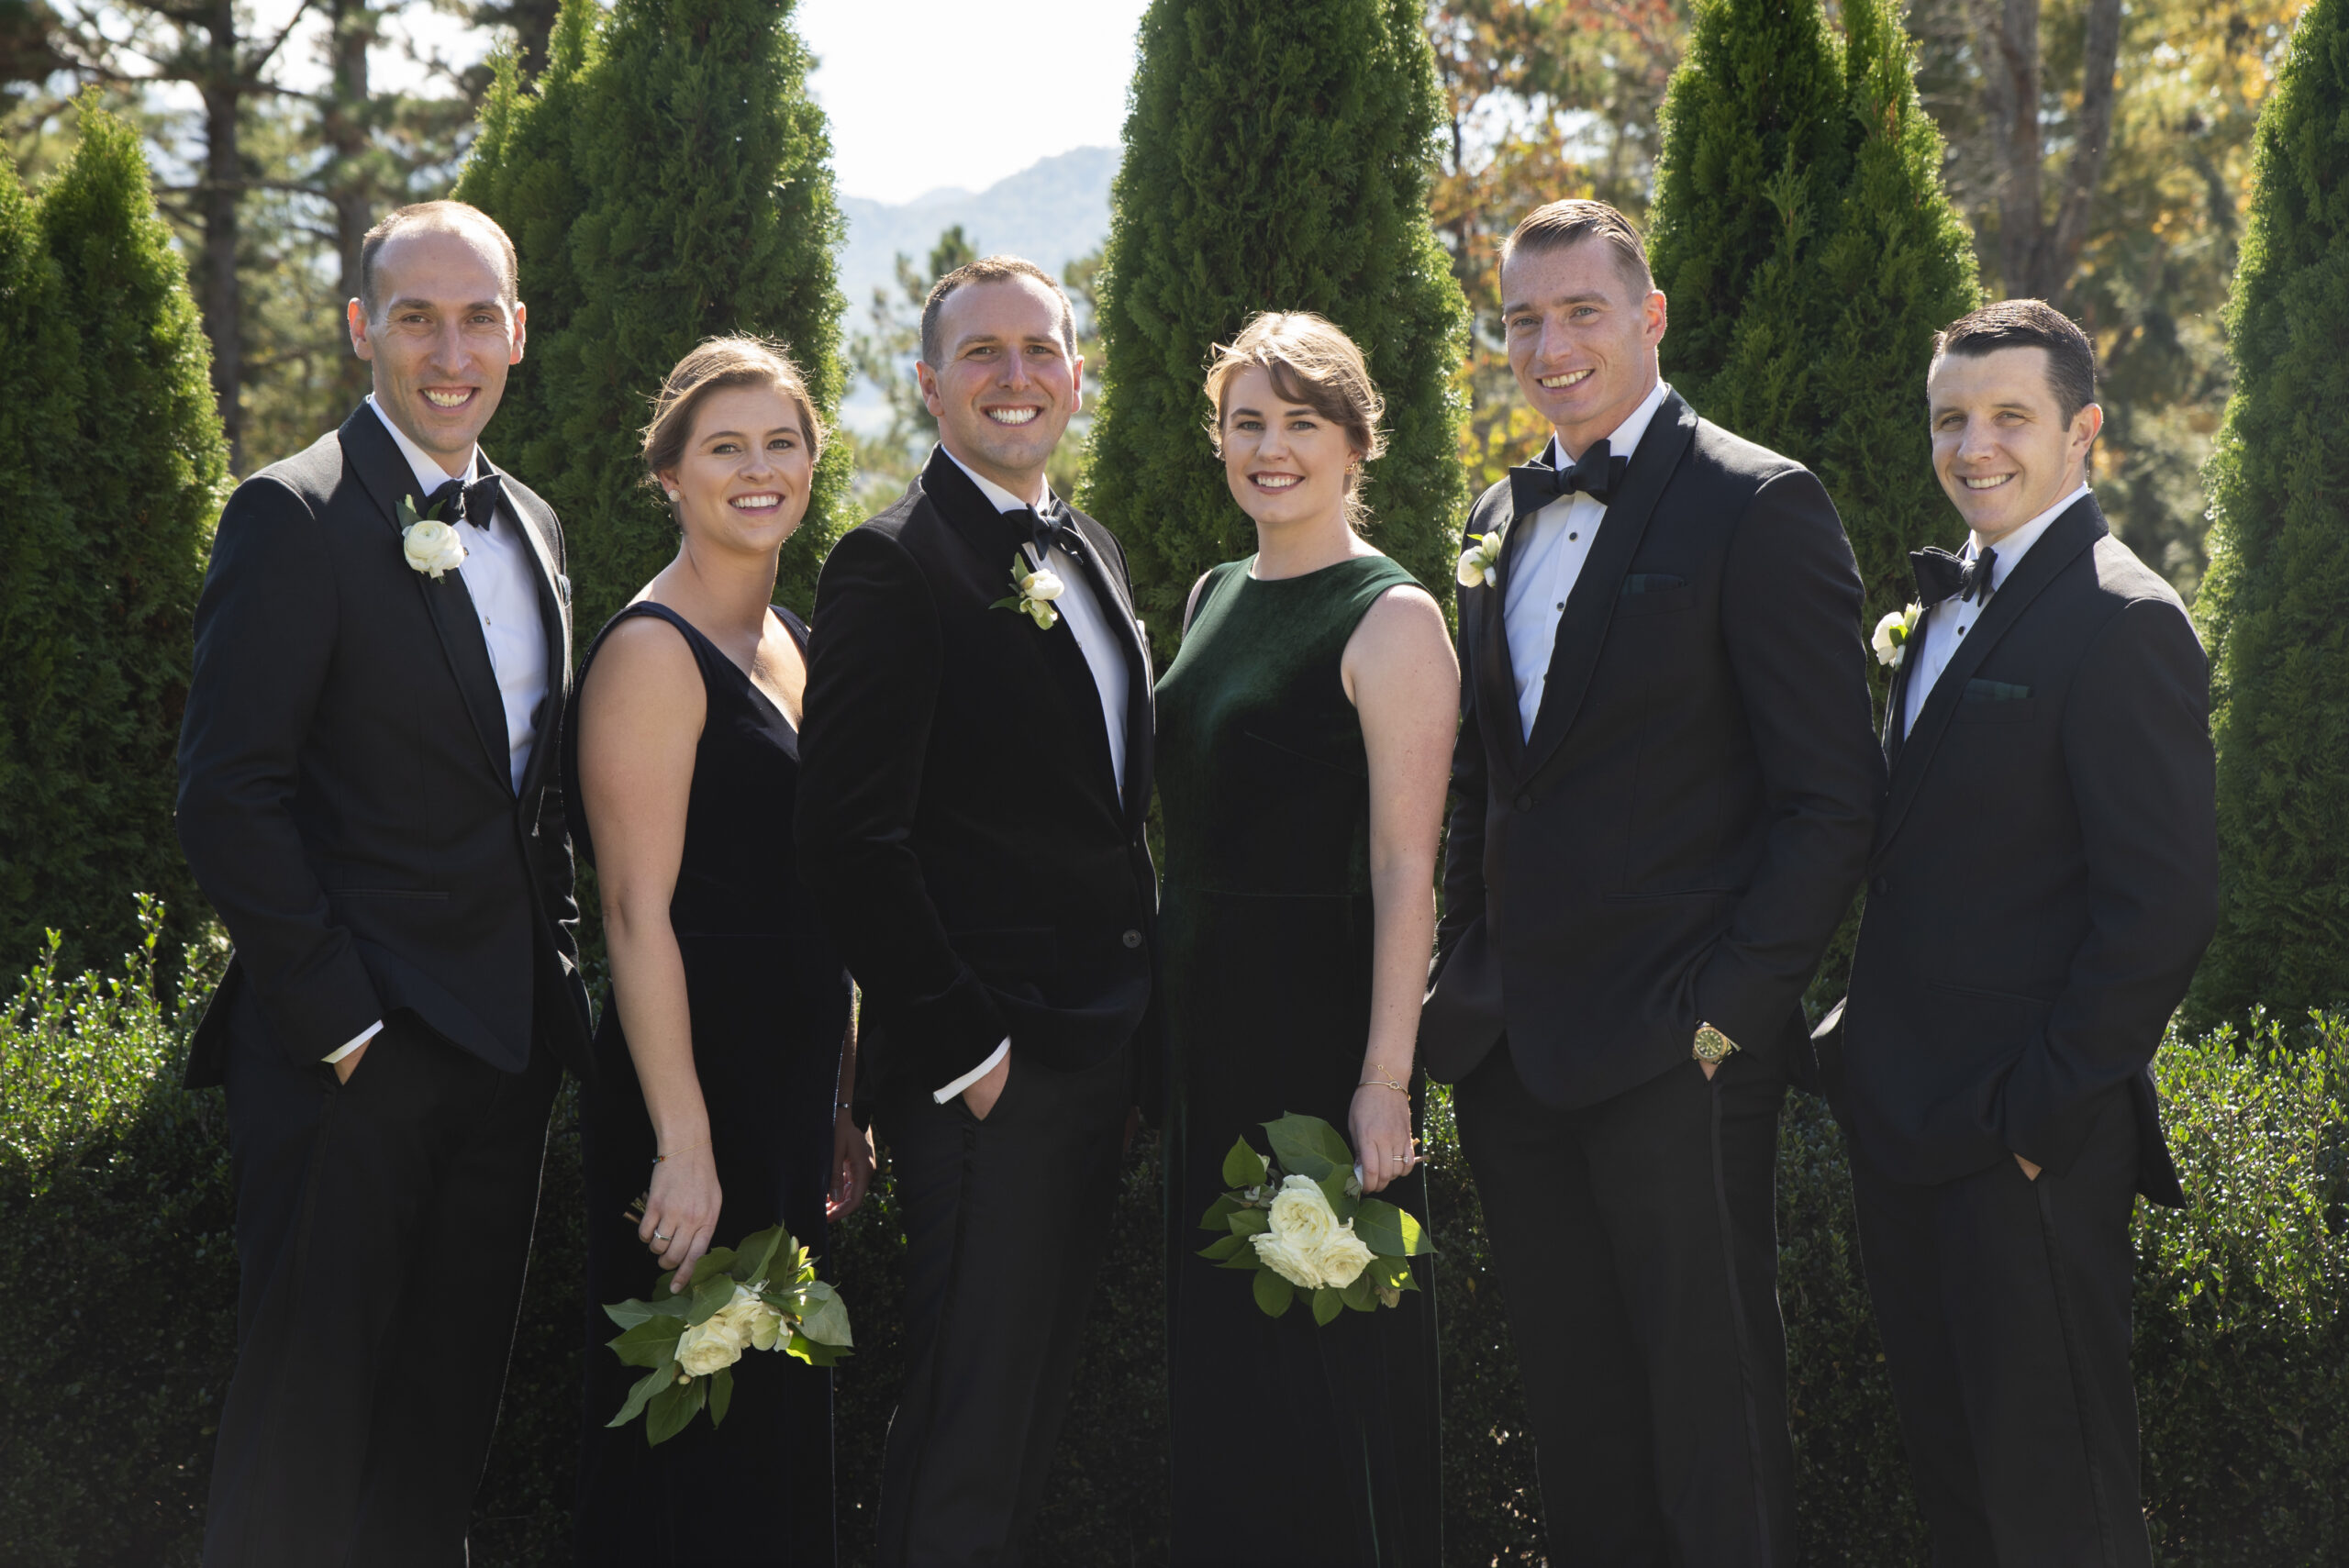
x: 1301, y: 1215
x: 432, y: 547
x: 713, y: 1344
x: 1886, y: 642
x: 1286, y: 1260
x: 1343, y: 1257
x: 1043, y: 583
x: 1471, y: 569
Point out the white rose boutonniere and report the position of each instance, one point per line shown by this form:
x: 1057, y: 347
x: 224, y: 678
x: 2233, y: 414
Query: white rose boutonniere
x: 431, y: 546
x: 1032, y: 593
x: 1300, y: 1223
x: 1894, y: 633
x: 1481, y: 562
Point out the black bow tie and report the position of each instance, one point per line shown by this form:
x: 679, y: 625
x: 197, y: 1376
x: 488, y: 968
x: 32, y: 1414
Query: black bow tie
x: 457, y: 502
x: 1535, y: 485
x: 1941, y: 575
x: 1047, y: 529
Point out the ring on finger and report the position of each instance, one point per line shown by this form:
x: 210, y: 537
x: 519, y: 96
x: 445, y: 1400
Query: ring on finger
x: 658, y: 1237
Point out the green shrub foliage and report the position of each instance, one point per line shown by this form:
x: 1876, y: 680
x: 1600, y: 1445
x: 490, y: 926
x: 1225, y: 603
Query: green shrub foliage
x: 2271, y: 609
x: 114, y: 1234
x: 1277, y: 158
x: 112, y: 468
x: 666, y: 180
x: 1810, y: 255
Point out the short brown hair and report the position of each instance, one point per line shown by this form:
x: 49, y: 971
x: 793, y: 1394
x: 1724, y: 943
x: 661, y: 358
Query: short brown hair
x: 2029, y: 324
x: 1313, y: 363
x: 716, y: 364
x: 449, y: 217
x: 991, y: 269
x: 1558, y: 225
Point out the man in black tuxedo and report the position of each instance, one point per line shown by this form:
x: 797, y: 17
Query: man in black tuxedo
x: 2045, y: 880
x: 1665, y: 783
x: 366, y: 796
x: 973, y: 782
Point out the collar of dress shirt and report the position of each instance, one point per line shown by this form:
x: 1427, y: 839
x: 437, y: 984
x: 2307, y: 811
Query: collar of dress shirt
x: 430, y: 475
x: 2016, y: 545
x: 1004, y: 500
x: 1624, y: 438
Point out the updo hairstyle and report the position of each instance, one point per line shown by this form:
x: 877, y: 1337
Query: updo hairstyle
x: 1312, y: 364
x: 718, y: 363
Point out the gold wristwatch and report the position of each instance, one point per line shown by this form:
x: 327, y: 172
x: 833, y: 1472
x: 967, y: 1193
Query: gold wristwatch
x: 1711, y: 1046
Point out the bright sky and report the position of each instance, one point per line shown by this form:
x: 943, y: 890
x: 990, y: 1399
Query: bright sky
x: 929, y: 92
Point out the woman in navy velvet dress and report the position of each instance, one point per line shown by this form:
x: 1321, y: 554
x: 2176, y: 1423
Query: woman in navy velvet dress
x: 727, y: 1046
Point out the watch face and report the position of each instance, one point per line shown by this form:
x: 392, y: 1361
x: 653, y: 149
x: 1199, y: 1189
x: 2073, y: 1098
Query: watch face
x: 1711, y: 1045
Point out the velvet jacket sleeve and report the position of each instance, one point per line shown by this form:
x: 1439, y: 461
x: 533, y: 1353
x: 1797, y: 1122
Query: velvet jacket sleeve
x: 873, y: 682
x: 2137, y: 740
x: 1790, y: 614
x: 1464, y: 839
x: 265, y: 631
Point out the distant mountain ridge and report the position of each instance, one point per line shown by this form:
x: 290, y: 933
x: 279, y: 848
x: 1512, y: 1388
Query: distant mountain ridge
x: 1050, y: 213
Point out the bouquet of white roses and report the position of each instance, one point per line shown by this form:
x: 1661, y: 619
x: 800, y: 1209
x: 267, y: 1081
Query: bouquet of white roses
x: 760, y: 1296
x: 1300, y: 1222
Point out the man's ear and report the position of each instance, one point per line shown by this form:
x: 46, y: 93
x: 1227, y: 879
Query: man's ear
x: 354, y: 317
x: 927, y: 379
x: 521, y: 330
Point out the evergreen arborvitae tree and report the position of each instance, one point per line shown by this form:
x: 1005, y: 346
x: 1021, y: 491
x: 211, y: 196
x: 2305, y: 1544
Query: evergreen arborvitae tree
x: 670, y: 181
x: 1277, y: 158
x: 1810, y: 255
x: 128, y: 476
x: 2272, y: 608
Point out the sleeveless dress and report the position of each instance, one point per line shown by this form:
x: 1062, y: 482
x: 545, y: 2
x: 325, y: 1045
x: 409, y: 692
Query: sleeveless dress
x: 769, y: 1003
x: 1292, y: 1444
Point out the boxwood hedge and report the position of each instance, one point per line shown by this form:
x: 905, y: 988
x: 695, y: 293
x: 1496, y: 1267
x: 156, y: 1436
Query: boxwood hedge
x: 116, y: 1249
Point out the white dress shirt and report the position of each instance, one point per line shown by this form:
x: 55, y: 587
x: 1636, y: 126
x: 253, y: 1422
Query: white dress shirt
x: 501, y: 576
x: 1941, y: 631
x: 1545, y: 568
x: 1104, y: 655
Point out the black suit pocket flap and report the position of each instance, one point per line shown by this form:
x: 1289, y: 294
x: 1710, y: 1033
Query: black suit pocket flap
x: 1979, y: 690
x: 1653, y: 592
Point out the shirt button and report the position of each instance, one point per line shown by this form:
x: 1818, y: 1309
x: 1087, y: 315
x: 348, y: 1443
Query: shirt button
x: 1525, y: 803
x: 1132, y: 939
x: 1570, y: 537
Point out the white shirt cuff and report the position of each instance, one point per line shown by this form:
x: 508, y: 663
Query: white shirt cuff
x: 956, y: 1087
x: 362, y: 1037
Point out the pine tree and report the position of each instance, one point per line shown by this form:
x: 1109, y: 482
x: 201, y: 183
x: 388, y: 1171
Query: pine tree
x: 1278, y: 157
x: 668, y: 179
x: 1810, y: 255
x: 2272, y: 608
x: 130, y: 474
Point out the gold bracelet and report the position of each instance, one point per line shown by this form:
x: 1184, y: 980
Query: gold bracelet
x: 1384, y: 1083
x: 686, y: 1150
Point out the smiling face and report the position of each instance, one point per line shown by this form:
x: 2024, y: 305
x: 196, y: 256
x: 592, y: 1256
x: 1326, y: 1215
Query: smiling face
x: 742, y: 483
x: 2002, y: 449
x: 1285, y: 463
x: 1006, y: 384
x: 443, y: 338
x: 1581, y: 338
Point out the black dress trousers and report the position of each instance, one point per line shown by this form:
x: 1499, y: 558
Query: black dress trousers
x: 360, y: 1414
x: 1636, y: 1243
x: 1006, y: 1222
x: 2004, y: 1304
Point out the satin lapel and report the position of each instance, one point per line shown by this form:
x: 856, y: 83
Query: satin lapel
x: 1496, y: 672
x: 383, y: 474
x: 1582, y: 626
x: 1111, y: 589
x: 2072, y: 532
x: 1895, y: 704
x: 555, y: 621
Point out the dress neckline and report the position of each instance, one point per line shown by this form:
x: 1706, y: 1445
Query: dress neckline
x: 1248, y: 568
x: 790, y: 629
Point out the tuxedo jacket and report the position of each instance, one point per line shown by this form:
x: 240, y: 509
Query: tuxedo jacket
x: 1685, y: 828
x: 2045, y: 878
x: 346, y: 795
x: 959, y: 819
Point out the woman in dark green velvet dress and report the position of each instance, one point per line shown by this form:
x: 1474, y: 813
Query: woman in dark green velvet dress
x: 1305, y: 736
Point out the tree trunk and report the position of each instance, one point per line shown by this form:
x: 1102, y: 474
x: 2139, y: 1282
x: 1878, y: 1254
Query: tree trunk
x: 2037, y: 254
x: 351, y: 184
x: 222, y: 190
